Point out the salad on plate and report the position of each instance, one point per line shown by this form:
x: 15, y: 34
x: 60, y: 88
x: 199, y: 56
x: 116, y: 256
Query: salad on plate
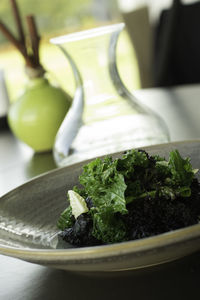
x: 128, y: 198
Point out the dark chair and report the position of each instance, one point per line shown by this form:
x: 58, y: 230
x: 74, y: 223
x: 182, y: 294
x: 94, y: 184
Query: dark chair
x: 177, y: 45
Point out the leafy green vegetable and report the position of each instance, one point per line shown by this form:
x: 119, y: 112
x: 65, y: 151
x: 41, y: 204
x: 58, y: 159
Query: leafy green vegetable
x: 134, y: 167
x: 112, y: 185
x: 130, y: 161
x: 108, y: 227
x: 66, y: 219
x: 104, y: 185
x: 181, y: 169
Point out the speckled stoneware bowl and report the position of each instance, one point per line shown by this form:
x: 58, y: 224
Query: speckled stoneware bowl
x: 28, y: 230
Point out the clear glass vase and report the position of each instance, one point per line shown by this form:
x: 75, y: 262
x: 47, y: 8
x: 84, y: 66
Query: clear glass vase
x: 104, y: 117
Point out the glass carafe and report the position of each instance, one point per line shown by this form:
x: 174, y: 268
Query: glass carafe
x: 104, y: 117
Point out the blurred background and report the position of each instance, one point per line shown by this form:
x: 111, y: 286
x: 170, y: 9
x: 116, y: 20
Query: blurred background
x: 55, y: 18
x: 159, y: 47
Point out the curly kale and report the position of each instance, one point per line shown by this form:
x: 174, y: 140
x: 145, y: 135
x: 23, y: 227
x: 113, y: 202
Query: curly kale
x: 132, y: 197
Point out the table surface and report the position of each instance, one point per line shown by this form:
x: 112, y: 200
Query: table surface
x: 180, y: 108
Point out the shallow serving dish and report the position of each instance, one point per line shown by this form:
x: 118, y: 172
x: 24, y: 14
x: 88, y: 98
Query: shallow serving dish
x: 28, y: 231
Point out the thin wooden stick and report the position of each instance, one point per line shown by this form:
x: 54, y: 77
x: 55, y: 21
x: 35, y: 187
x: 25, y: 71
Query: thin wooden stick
x: 18, y: 21
x: 35, y: 39
x: 32, y: 59
x: 12, y: 39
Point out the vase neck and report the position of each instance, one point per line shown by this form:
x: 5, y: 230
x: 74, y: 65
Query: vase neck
x: 93, y: 59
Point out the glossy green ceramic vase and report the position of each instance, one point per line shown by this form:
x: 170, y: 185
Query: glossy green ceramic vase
x: 38, y: 113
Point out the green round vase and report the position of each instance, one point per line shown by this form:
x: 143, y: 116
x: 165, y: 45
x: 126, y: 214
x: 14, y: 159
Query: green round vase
x: 38, y: 113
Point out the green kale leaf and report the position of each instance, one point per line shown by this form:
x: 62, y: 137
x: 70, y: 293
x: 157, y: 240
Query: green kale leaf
x: 108, y: 227
x: 181, y: 169
x: 131, y: 161
x: 104, y: 185
x: 66, y: 219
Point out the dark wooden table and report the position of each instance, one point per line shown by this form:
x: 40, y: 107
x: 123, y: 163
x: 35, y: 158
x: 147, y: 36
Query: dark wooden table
x: 180, y: 108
